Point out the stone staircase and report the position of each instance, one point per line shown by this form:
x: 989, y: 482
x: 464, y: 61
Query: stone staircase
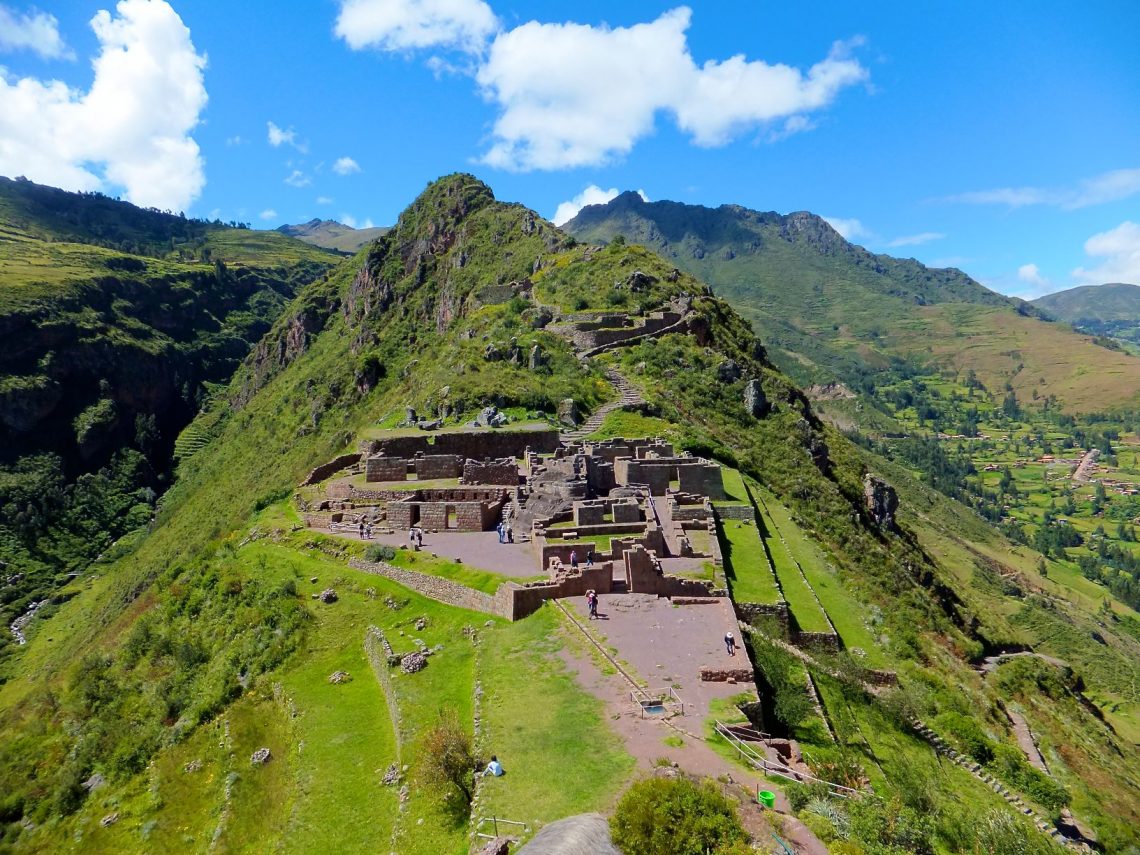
x: 1015, y: 801
x: 629, y: 396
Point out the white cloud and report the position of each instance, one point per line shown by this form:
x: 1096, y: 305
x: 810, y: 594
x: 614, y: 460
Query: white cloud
x: 353, y: 223
x: 1120, y: 249
x: 268, y: 214
x: 34, y: 31
x: 849, y: 228
x: 575, y: 95
x: 592, y: 195
x: 400, y: 25
x: 1031, y: 273
x: 1098, y: 190
x: 297, y: 178
x: 324, y: 200
x: 235, y: 140
x: 915, y: 240
x: 279, y: 136
x: 345, y: 166
x: 131, y: 129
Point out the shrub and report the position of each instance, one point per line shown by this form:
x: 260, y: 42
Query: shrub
x: 662, y: 816
x: 379, y: 552
x: 449, y: 759
x: 891, y: 827
x: 1000, y: 832
x: 968, y: 734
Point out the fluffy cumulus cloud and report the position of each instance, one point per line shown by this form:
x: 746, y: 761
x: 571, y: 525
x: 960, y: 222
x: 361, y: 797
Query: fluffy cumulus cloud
x: 574, y: 95
x: 592, y: 195
x: 1031, y: 273
x: 1098, y: 190
x: 1119, y: 251
x: 849, y: 227
x: 34, y: 31
x: 571, y: 95
x: 400, y: 25
x: 131, y: 129
x: 345, y: 166
x: 268, y: 214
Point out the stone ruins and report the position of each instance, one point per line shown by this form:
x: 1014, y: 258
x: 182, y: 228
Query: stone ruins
x: 619, y: 515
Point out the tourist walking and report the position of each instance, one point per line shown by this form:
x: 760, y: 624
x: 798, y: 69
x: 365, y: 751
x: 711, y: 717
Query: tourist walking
x: 589, y: 559
x: 362, y: 529
x: 419, y: 538
x: 573, y: 559
x: 593, y: 605
x: 730, y: 643
x: 502, y: 532
x: 510, y: 535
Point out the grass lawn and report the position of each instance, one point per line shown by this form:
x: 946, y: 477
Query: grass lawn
x: 734, y: 488
x: 486, y: 581
x: 626, y: 424
x: 746, y: 567
x: 559, y: 754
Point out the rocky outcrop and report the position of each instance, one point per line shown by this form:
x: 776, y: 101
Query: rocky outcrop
x: 882, y: 501
x: 755, y: 401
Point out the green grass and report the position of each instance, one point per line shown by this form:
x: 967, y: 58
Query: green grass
x: 804, y: 607
x: 846, y: 614
x: 552, y: 737
x: 733, y: 485
x: 486, y: 581
x: 629, y: 424
x: 746, y: 567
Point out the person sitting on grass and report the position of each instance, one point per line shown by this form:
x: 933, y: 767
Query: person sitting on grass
x: 494, y: 768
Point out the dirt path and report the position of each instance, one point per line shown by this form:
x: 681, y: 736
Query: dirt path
x: 1025, y: 740
x: 644, y: 739
x: 1085, y: 467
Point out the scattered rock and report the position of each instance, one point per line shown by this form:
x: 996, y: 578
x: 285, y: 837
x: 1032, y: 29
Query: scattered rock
x: 434, y: 424
x: 338, y: 677
x: 421, y: 623
x: 192, y: 767
x: 568, y: 413
x: 94, y: 782
x: 490, y: 417
x: 498, y: 846
x: 413, y: 662
x: 328, y: 595
x: 109, y: 819
x: 391, y: 776
x: 392, y: 603
x: 491, y: 353
x: 755, y: 401
x: 728, y: 372
x: 537, y: 358
x: 882, y: 501
x: 260, y: 757
x: 313, y: 580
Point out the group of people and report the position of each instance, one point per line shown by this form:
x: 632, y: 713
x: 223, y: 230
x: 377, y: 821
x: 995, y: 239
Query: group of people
x: 574, y: 559
x: 506, y: 533
x: 415, y: 537
x: 365, y: 530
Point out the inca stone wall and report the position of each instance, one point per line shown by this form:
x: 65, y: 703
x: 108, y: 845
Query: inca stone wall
x: 474, y: 444
x: 432, y: 466
x: 382, y: 468
x: 326, y: 469
x: 503, y: 472
x: 443, y: 590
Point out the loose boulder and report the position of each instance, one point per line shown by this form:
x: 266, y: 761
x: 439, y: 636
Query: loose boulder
x: 568, y: 413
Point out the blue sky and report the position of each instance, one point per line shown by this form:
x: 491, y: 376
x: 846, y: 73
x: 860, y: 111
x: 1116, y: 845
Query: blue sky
x: 996, y: 137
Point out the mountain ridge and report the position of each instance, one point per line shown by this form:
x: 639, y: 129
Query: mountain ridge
x: 828, y: 309
x: 332, y: 234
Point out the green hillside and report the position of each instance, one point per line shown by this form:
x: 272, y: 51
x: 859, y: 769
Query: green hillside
x: 827, y: 309
x: 1110, y: 310
x: 117, y: 321
x: 131, y: 715
x: 333, y: 235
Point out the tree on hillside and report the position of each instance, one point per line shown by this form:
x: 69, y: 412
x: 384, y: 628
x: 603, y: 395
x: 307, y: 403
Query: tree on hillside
x: 662, y: 816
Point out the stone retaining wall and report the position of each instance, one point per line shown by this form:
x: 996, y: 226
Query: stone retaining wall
x: 828, y: 641
x: 479, y: 444
x: 713, y: 674
x: 504, y: 472
x: 736, y: 512
x: 749, y: 612
x: 443, y: 590
x: 326, y: 469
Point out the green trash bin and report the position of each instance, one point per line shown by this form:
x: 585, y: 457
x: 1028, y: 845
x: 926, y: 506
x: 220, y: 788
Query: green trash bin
x: 766, y: 798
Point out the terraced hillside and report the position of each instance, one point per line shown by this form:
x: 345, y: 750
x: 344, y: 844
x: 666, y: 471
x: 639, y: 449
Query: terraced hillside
x: 137, y: 712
